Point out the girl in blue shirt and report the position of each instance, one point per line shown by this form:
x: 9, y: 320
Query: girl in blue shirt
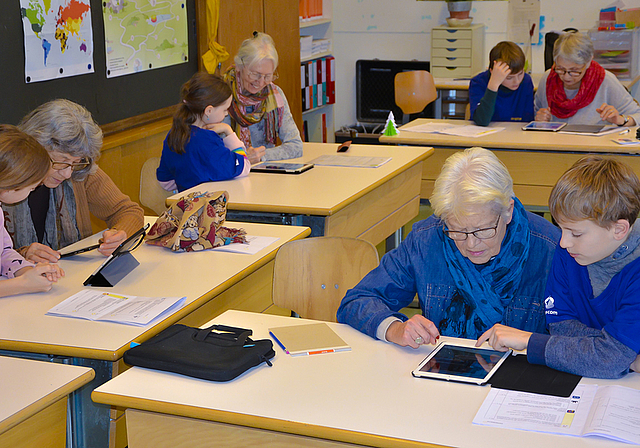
x: 199, y: 147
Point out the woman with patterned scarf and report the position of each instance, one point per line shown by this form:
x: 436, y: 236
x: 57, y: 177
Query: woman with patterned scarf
x: 578, y: 90
x: 259, y: 113
x: 481, y: 259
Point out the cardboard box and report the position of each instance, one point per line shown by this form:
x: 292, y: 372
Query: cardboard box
x: 628, y: 15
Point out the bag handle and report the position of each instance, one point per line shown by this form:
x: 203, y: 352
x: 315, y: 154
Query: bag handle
x: 223, y: 333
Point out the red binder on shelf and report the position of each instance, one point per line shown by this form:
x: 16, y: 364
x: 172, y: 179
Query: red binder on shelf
x: 331, y: 79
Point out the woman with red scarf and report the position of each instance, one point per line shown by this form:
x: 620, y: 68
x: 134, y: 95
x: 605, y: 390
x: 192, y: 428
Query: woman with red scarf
x: 578, y: 90
x: 259, y: 113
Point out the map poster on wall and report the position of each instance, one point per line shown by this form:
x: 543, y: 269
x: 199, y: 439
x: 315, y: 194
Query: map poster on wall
x: 144, y: 34
x: 58, y: 38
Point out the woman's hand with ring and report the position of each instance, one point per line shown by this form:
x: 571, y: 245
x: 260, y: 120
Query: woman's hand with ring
x: 413, y: 333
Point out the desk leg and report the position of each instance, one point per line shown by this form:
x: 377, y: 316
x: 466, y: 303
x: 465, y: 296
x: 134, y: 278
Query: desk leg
x: 393, y: 240
x: 88, y: 425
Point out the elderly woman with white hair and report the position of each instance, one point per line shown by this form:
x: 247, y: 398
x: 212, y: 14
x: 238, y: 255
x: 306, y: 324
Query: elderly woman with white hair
x: 479, y: 260
x: 58, y: 212
x: 259, y: 113
x: 578, y: 90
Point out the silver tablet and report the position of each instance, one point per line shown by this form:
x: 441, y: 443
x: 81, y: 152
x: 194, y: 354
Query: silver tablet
x: 551, y: 126
x: 461, y: 363
x: 281, y: 168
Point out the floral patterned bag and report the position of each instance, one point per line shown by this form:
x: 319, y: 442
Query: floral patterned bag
x: 195, y: 223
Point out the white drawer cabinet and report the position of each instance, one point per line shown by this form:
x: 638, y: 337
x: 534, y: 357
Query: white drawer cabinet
x: 457, y: 52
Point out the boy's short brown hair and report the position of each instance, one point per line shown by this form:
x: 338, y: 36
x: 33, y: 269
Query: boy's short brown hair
x: 600, y: 189
x: 23, y: 161
x: 509, y: 53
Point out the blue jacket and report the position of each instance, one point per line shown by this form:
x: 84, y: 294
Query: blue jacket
x: 591, y: 336
x: 205, y: 159
x: 417, y: 266
x: 503, y: 105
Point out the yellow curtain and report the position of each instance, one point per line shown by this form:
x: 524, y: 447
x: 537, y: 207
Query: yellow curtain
x: 217, y: 53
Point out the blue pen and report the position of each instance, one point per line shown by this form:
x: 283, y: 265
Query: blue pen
x: 279, y: 343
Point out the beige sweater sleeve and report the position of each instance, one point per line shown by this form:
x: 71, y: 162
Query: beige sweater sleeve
x: 99, y: 196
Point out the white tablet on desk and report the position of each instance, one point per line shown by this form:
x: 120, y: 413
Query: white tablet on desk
x: 281, y: 168
x: 551, y: 126
x: 461, y: 363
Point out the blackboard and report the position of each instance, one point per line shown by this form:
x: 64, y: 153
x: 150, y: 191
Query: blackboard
x: 108, y: 100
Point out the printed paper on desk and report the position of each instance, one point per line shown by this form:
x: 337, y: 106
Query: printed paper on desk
x: 606, y: 411
x: 117, y: 308
x: 468, y: 130
x: 350, y: 161
x: 253, y: 245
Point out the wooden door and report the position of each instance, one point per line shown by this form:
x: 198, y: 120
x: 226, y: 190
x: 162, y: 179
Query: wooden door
x: 281, y: 22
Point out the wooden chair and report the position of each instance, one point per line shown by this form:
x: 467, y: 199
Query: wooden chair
x: 152, y: 195
x: 414, y: 90
x: 311, y: 276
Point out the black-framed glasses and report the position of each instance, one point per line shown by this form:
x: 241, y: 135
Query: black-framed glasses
x: 481, y: 234
x: 572, y: 73
x: 253, y: 76
x: 76, y: 166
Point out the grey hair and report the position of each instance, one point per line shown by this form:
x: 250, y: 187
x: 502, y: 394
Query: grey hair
x: 64, y: 126
x: 473, y: 177
x: 255, y: 50
x: 573, y: 46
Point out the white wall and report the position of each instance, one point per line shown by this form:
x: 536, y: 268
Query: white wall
x: 401, y: 30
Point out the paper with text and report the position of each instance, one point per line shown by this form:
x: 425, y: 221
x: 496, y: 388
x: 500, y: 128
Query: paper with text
x: 118, y: 308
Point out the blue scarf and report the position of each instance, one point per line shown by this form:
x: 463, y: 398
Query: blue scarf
x: 485, y: 290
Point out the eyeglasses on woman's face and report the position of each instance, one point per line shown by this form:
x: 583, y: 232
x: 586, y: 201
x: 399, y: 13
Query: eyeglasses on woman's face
x: 481, y: 234
x: 76, y: 166
x: 268, y: 77
x: 573, y: 73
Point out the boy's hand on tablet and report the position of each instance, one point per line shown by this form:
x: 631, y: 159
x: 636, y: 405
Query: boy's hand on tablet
x: 543, y: 115
x: 39, y: 253
x: 502, y: 338
x: 499, y: 73
x: 416, y: 331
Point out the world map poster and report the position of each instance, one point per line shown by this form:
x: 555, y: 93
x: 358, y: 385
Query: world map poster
x: 144, y: 34
x: 58, y: 38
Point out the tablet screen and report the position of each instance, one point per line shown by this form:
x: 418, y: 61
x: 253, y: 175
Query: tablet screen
x: 544, y: 126
x: 455, y: 362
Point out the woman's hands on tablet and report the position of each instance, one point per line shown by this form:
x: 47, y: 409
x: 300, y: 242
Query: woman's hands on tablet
x: 503, y: 338
x: 418, y: 328
x: 111, y: 239
x: 543, y: 114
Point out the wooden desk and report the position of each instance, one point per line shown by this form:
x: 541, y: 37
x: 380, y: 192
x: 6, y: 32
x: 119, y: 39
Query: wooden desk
x: 366, y: 203
x: 33, y: 409
x: 233, y: 280
x: 364, y: 396
x: 535, y: 159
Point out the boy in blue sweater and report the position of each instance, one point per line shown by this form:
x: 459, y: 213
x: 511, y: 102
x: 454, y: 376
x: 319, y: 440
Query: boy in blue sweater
x: 505, y: 91
x: 593, y: 290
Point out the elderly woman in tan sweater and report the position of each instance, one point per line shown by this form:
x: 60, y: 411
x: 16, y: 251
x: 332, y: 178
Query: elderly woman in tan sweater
x: 57, y: 213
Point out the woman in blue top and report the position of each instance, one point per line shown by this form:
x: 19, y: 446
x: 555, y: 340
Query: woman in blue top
x: 505, y: 91
x: 199, y: 147
x: 481, y: 259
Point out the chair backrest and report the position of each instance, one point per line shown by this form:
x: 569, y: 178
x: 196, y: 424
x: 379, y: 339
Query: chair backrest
x: 152, y: 195
x: 414, y: 90
x: 311, y: 276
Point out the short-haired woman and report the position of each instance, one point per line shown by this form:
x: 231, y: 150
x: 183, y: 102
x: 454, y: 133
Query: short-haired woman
x: 57, y: 213
x: 480, y: 259
x: 578, y: 90
x: 259, y: 113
